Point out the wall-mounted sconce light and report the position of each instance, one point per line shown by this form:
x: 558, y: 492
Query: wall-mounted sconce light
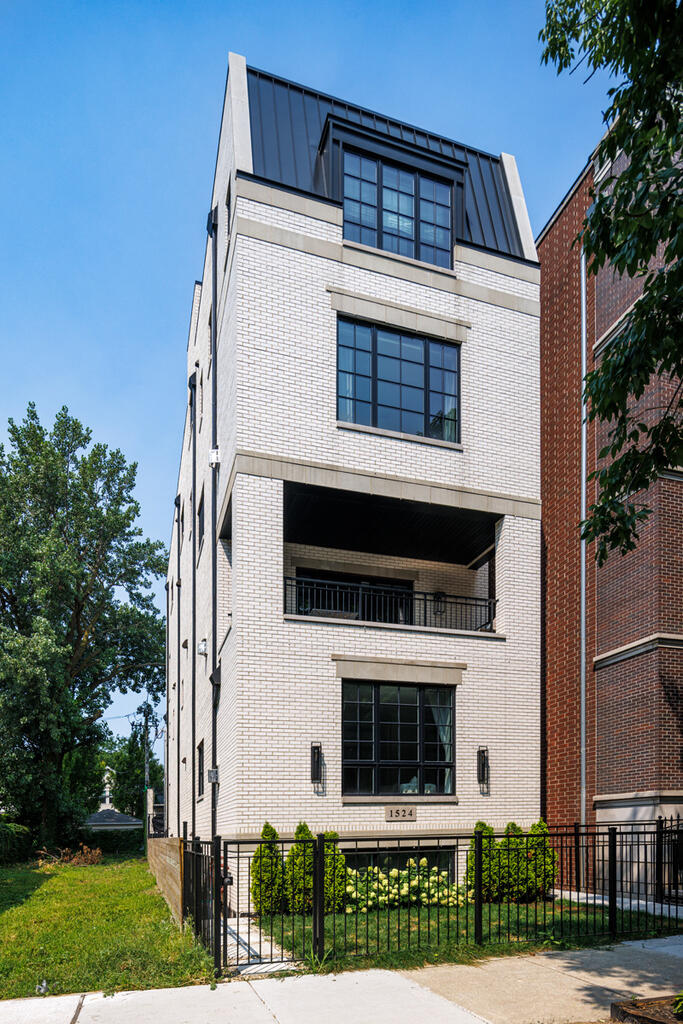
x: 316, y: 762
x: 483, y: 767
x: 439, y: 599
x: 202, y: 647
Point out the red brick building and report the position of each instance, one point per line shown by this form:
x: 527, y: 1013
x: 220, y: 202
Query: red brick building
x: 618, y: 753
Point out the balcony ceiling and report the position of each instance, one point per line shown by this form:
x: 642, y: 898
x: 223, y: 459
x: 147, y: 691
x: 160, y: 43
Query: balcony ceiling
x: 387, y: 526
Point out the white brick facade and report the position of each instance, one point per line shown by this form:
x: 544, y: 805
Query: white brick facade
x: 279, y: 263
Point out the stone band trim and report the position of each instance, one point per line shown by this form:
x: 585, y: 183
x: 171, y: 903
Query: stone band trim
x: 247, y: 188
x: 361, y: 624
x: 636, y: 647
x: 505, y: 265
x: 320, y: 475
x: 396, y: 315
x: 645, y: 796
x: 398, y: 670
x: 508, y: 166
x: 364, y: 257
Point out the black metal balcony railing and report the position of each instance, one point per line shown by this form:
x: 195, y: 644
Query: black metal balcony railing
x: 366, y: 602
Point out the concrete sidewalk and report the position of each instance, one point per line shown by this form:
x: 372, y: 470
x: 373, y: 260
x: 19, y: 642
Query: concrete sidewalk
x: 556, y: 988
x: 357, y: 997
x: 549, y: 988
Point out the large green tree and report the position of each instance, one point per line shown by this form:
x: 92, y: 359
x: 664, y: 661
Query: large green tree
x: 126, y: 756
x: 77, y: 618
x: 635, y: 224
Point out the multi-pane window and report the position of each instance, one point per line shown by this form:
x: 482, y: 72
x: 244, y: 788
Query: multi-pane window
x: 397, y: 381
x: 397, y: 739
x: 403, y: 211
x: 200, y: 769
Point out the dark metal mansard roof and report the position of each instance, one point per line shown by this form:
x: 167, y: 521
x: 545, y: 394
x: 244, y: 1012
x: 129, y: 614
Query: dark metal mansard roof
x: 287, y: 121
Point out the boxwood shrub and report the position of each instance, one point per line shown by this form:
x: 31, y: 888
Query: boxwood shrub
x: 266, y: 874
x: 299, y: 872
x: 519, y: 867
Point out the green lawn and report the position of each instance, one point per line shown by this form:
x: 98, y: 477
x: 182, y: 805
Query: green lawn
x: 412, y: 935
x: 85, y: 928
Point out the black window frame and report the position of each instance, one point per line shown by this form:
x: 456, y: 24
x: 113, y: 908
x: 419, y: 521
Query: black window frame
x: 427, y: 388
x: 382, y: 182
x: 339, y: 136
x: 376, y: 763
x: 200, y: 768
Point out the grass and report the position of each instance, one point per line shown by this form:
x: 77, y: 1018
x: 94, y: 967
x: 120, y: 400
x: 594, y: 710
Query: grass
x: 89, y: 928
x: 405, y: 938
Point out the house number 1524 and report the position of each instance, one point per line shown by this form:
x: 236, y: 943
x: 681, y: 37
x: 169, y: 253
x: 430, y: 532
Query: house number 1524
x: 399, y: 813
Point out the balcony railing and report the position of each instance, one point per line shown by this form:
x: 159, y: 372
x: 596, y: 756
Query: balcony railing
x: 371, y: 602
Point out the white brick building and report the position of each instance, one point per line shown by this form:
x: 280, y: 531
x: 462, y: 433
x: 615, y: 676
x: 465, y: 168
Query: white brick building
x: 354, y: 577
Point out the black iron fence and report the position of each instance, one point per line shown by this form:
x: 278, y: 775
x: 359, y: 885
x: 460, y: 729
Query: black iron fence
x: 283, y: 901
x: 372, y: 602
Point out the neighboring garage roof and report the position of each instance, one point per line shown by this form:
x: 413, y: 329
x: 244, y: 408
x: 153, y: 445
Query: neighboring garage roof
x: 287, y: 121
x: 112, y: 819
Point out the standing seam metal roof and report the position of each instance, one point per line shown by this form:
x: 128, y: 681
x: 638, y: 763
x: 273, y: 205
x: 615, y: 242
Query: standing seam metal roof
x: 286, y: 124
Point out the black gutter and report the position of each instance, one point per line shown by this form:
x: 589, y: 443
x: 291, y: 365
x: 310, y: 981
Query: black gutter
x: 177, y: 682
x: 192, y: 384
x: 212, y: 228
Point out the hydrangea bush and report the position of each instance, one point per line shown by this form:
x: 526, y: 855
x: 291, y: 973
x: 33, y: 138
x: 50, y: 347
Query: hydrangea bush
x: 415, y: 885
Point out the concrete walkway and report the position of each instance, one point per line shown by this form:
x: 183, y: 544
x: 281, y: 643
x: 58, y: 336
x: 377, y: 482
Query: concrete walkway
x: 549, y: 988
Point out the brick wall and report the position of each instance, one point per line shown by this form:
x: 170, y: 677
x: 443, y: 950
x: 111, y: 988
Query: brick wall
x: 560, y: 487
x: 634, y: 719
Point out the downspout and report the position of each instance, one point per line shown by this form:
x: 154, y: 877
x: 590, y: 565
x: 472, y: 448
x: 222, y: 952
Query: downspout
x: 177, y: 682
x: 212, y: 228
x: 192, y: 383
x: 582, y: 563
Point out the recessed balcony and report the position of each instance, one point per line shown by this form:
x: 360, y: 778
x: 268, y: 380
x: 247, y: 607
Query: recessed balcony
x: 366, y: 601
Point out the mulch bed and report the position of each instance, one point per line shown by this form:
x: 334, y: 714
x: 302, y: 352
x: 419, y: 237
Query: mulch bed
x: 646, y: 1011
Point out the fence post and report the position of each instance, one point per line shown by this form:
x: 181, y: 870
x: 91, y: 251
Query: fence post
x: 196, y: 850
x: 659, y: 861
x: 319, y: 896
x: 478, y: 887
x: 217, y: 886
x: 577, y: 857
x: 612, y: 880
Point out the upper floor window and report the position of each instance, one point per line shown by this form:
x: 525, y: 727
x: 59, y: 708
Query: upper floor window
x: 397, y: 381
x: 406, y: 212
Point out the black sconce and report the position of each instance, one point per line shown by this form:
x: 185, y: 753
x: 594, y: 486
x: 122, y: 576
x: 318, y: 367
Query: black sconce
x: 483, y: 767
x: 316, y: 762
x: 439, y: 599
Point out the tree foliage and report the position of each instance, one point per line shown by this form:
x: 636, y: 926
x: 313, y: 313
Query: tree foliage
x: 635, y: 225
x: 77, y: 619
x: 126, y: 757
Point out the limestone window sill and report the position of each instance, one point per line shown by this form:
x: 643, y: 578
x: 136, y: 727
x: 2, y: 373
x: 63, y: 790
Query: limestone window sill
x: 398, y: 800
x: 381, y: 432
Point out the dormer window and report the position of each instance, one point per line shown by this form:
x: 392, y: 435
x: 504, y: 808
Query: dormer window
x: 393, y: 208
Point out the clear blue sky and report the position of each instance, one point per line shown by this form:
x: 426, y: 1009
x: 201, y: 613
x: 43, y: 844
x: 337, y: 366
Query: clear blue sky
x: 110, y: 116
